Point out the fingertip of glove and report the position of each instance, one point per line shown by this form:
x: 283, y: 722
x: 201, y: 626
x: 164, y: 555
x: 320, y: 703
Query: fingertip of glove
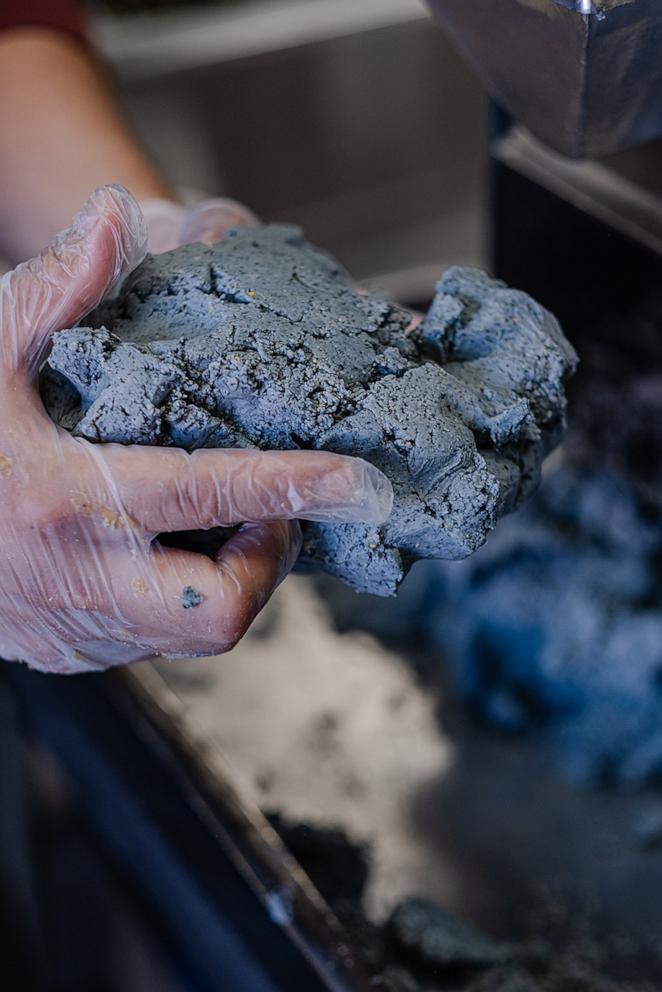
x: 114, y: 206
x: 210, y: 220
x: 378, y: 493
x: 351, y: 491
x: 115, y: 203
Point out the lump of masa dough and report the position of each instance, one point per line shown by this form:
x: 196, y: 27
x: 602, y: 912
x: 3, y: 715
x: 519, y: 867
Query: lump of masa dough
x: 427, y: 930
x: 261, y: 341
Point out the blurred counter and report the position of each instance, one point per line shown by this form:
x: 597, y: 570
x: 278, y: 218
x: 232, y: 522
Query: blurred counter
x: 354, y: 118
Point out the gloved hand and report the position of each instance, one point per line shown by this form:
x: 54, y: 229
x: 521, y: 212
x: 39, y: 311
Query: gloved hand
x: 83, y: 582
x: 170, y: 225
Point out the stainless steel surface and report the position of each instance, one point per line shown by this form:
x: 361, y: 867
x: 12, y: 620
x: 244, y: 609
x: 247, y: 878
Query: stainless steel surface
x: 585, y: 76
x: 357, y: 120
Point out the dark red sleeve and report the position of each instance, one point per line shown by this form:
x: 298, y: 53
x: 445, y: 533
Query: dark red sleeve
x: 62, y: 15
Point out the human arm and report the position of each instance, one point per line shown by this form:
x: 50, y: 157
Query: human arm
x: 63, y: 134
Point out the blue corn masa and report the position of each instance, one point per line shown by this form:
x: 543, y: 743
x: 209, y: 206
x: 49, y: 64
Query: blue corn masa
x: 191, y: 597
x: 262, y: 342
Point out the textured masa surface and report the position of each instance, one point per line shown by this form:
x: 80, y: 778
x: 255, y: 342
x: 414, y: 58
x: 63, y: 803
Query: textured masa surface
x: 262, y: 341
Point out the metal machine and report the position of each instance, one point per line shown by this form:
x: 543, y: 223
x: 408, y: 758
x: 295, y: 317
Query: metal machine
x: 584, y: 76
x: 575, y: 161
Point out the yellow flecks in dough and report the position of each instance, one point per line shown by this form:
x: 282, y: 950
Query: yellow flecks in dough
x: 6, y: 466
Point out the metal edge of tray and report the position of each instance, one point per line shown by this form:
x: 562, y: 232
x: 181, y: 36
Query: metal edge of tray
x: 222, y: 894
x: 240, y: 828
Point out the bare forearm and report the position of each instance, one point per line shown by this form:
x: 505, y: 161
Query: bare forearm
x: 61, y: 136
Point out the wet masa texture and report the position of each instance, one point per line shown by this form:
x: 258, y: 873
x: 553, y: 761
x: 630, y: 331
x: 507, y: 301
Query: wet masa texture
x: 262, y: 341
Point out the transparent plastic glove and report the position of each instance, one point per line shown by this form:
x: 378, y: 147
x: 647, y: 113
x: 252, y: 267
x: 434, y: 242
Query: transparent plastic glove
x: 83, y: 582
x: 170, y: 225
